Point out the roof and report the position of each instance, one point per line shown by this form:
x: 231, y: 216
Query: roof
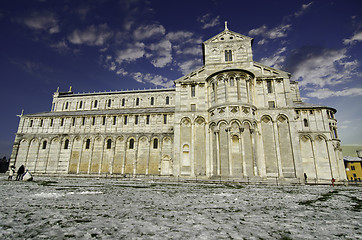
x: 71, y: 94
x: 104, y: 112
x: 352, y: 159
x: 310, y: 105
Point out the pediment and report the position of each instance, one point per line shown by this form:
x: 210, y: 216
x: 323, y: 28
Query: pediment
x: 227, y: 36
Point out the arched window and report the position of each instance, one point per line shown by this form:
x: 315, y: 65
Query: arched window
x: 167, y: 100
x: 152, y: 100
x: 104, y: 121
x: 87, y: 144
x: 66, y: 144
x: 123, y: 101
x: 109, y: 143
x: 231, y: 82
x: 95, y: 103
x: 228, y: 56
x: 44, y: 144
x: 109, y: 102
x: 137, y: 101
x: 305, y: 122
x: 80, y: 104
x: 94, y: 120
x: 155, y: 143
x: 131, y: 144
x: 66, y: 105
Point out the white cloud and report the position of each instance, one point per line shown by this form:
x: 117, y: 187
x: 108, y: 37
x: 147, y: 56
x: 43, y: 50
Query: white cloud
x: 208, y: 21
x: 92, y: 36
x: 60, y: 46
x: 274, y: 33
x: 154, y: 79
x: 179, y: 35
x: 190, y: 51
x: 355, y: 38
x: 190, y: 65
x: 323, y: 67
x: 305, y: 7
x: 161, y: 53
x: 276, y: 60
x: 148, y: 31
x: 323, y: 93
x: 133, y: 52
x: 46, y: 21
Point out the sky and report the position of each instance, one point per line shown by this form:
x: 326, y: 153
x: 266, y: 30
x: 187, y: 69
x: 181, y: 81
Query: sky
x: 109, y: 45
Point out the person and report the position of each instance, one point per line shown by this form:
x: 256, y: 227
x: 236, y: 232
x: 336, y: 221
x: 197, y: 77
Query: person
x: 21, y: 171
x: 11, y: 172
x: 305, y: 177
x: 333, y: 180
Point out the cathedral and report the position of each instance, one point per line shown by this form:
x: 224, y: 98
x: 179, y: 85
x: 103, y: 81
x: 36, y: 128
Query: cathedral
x: 231, y: 118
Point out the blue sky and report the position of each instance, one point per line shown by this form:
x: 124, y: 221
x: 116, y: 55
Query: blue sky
x: 108, y: 45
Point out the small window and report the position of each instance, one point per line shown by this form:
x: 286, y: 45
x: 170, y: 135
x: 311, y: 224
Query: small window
x: 41, y: 123
x: 353, y: 168
x: 104, y: 121
x: 44, y: 144
x: 136, y: 119
x: 95, y: 103
x: 193, y: 107
x: 311, y: 111
x: 155, y: 143
x: 62, y: 122
x: 114, y: 120
x: 137, y: 101
x: 165, y: 119
x: 193, y: 91
x: 131, y: 144
x: 80, y: 104
x: 306, y: 124
x: 228, y: 56
x: 51, y: 122
x: 66, y: 144
x: 109, y: 103
x: 83, y: 121
x: 93, y: 121
x: 109, y: 143
x: 125, y: 120
x: 148, y: 119
x: 87, y: 144
x: 123, y: 101
x: 73, y: 121
x: 31, y: 123
x: 167, y: 100
x: 271, y: 104
x: 269, y: 86
x: 66, y: 105
x: 152, y: 100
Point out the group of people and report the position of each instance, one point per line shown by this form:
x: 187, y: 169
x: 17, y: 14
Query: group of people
x: 20, y: 172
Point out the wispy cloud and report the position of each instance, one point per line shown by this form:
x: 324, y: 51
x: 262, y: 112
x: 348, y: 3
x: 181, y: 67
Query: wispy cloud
x: 189, y: 65
x: 276, y: 60
x: 161, y: 53
x: 148, y: 31
x: 304, y: 8
x: 316, y: 66
x: 45, y: 20
x: 323, y: 93
x: 132, y: 52
x: 155, y: 79
x: 357, y: 37
x: 273, y: 33
x: 32, y: 66
x: 92, y: 36
x: 208, y: 21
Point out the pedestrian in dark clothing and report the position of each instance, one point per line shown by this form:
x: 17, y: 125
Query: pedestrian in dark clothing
x: 11, y: 172
x: 21, y: 171
x: 305, y: 177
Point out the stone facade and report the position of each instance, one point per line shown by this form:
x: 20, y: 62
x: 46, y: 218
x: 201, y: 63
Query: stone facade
x: 233, y: 118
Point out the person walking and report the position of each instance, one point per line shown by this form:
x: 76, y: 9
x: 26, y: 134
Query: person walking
x: 21, y: 171
x: 11, y: 172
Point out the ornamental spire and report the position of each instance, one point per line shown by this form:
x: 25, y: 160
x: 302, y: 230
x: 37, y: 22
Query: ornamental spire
x: 226, y: 25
